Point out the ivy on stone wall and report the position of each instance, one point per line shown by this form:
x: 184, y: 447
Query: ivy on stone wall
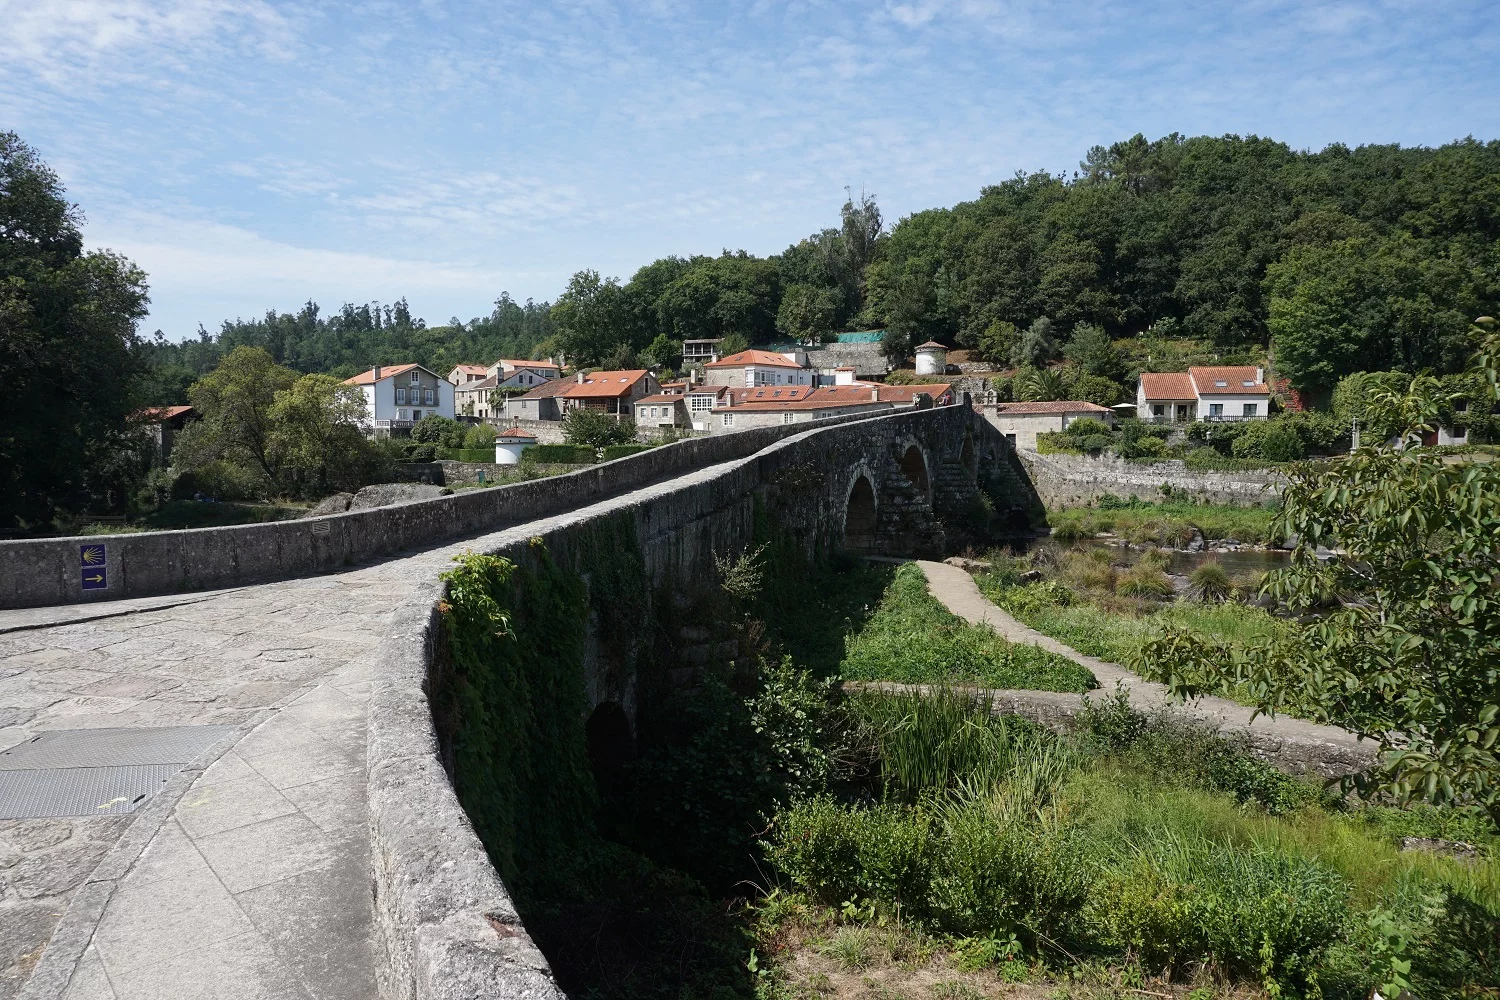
x: 513, y: 706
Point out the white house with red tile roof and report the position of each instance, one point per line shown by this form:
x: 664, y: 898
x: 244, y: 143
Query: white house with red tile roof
x: 754, y: 368
x: 1022, y: 422
x: 397, y: 396
x: 1207, y: 392
x: 161, y: 425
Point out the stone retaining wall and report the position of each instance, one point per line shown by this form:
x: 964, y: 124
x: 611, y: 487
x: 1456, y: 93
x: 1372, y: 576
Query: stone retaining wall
x: 1071, y: 480
x: 546, y: 431
x: 48, y: 571
x: 457, y: 473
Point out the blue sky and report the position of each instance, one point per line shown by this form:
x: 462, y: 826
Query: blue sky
x: 252, y: 155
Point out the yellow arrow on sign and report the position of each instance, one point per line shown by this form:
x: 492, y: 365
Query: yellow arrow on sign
x: 95, y: 578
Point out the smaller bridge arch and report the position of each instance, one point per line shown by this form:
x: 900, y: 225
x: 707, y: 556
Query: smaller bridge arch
x: 914, y: 464
x: 610, y: 743
x: 860, y: 515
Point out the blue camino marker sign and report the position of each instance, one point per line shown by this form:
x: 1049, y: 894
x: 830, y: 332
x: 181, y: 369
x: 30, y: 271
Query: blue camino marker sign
x: 94, y: 571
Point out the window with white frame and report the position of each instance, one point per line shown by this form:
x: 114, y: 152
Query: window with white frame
x: 1215, y: 409
x: 400, y: 414
x: 416, y: 377
x: 728, y: 419
x: 698, y: 402
x: 400, y: 394
x: 427, y: 396
x: 788, y: 418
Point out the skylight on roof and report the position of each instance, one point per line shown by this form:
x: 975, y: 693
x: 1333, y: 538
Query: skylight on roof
x: 1221, y: 383
x: 1248, y: 382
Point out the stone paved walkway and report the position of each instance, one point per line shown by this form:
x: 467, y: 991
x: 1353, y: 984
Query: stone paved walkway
x: 956, y: 589
x: 257, y: 884
x: 256, y: 881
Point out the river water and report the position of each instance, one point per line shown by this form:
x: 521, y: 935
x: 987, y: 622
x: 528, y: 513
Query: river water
x: 1242, y: 565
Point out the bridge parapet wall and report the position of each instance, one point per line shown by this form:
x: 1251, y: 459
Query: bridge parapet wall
x: 47, y: 571
x: 446, y: 924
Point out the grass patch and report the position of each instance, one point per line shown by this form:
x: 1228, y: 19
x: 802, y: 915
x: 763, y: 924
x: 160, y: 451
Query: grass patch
x: 912, y: 638
x: 811, y: 608
x: 1115, y: 633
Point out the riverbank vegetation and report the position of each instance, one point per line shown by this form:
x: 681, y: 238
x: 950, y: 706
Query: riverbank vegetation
x: 1115, y: 630
x: 1172, y: 521
x: 1134, y: 856
x: 1401, y: 628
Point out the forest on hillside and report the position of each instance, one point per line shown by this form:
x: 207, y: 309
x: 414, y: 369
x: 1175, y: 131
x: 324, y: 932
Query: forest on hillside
x: 1344, y: 260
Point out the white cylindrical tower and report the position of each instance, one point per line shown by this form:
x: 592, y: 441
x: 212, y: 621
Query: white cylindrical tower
x: 932, y: 358
x: 510, y: 443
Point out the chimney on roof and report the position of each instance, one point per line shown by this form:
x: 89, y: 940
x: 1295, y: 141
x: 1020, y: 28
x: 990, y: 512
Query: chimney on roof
x: 874, y: 393
x: 580, y: 376
x: 1260, y: 374
x: 376, y: 374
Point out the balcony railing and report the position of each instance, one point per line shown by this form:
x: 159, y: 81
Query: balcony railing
x: 1223, y: 418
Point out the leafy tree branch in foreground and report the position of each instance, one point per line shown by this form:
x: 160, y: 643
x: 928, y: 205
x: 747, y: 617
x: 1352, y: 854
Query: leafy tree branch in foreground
x: 1404, y: 643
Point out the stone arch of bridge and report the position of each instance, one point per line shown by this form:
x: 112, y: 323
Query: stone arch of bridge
x: 610, y: 743
x: 861, y: 512
x: 911, y: 456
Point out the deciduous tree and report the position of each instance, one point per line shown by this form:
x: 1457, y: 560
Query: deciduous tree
x: 234, y: 403
x: 68, y: 347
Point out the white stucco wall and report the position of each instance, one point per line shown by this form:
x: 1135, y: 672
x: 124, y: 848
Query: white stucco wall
x: 931, y: 362
x: 1234, y: 405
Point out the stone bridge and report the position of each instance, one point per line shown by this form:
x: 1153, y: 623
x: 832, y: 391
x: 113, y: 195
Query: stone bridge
x: 213, y: 784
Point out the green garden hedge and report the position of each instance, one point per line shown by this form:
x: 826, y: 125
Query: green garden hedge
x: 467, y: 455
x: 560, y: 454
x: 615, y: 451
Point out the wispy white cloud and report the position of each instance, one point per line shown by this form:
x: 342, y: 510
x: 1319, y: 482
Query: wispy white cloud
x: 59, y: 38
x: 467, y: 147
x: 228, y: 270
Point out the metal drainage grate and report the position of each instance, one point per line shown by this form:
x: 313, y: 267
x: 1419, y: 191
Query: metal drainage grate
x: 96, y: 772
x: 80, y: 791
